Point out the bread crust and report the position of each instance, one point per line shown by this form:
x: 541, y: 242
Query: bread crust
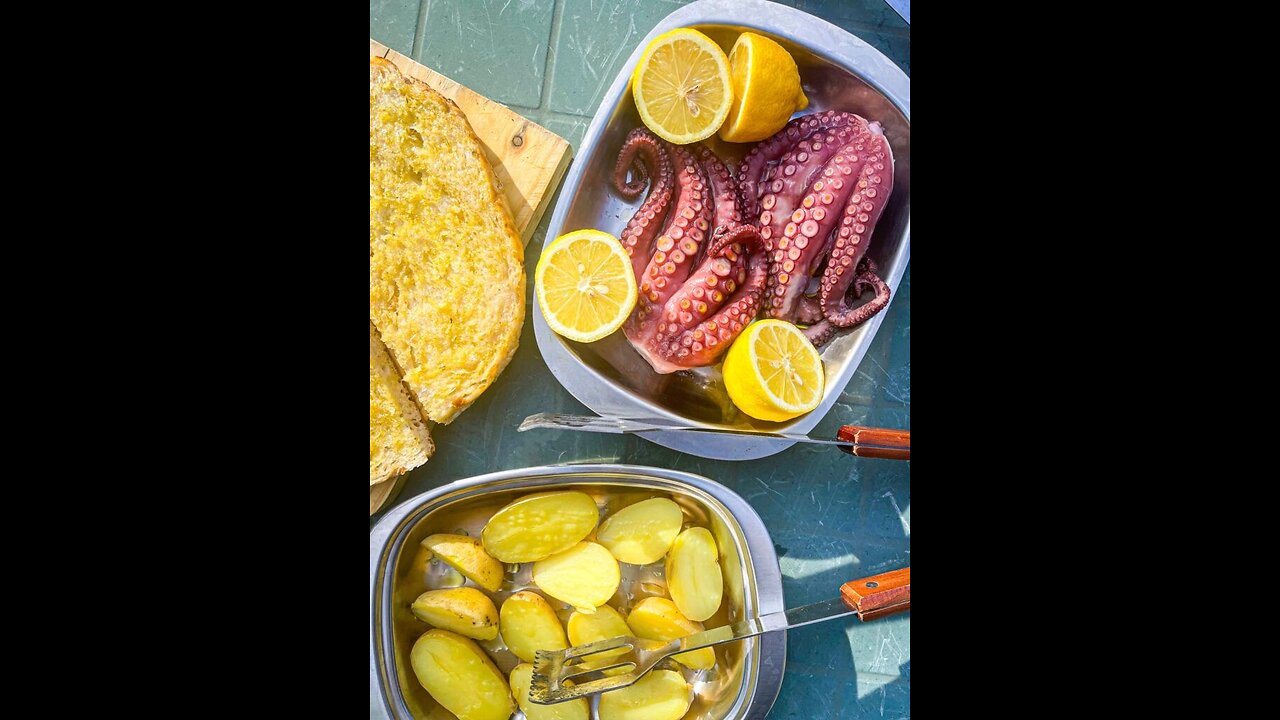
x: 399, y: 439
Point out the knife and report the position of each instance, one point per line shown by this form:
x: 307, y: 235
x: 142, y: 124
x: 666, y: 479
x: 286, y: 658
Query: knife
x: 854, y: 439
x: 870, y: 597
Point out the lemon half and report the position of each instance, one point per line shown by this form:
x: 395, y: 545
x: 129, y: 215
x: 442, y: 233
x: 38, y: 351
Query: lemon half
x: 585, y: 285
x: 773, y: 372
x: 681, y: 86
x: 766, y: 89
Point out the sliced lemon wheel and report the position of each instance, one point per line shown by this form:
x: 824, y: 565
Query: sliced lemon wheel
x: 773, y: 372
x: 766, y: 89
x: 585, y: 285
x: 681, y: 86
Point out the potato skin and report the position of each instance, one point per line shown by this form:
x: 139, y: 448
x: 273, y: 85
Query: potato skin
x: 642, y: 533
x: 457, y: 673
x: 467, y: 556
x: 579, y: 709
x: 584, y: 576
x: 693, y: 574
x: 660, y: 695
x: 657, y: 618
x: 529, y: 624
x: 539, y: 526
x: 464, y: 610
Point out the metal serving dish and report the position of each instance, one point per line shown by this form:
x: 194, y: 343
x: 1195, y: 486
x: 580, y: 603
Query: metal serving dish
x: 748, y: 674
x: 838, y: 71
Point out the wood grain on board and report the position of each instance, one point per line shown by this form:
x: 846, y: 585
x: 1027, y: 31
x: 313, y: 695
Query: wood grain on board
x: 528, y: 159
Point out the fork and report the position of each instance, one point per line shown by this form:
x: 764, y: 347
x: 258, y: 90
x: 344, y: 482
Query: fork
x: 560, y: 675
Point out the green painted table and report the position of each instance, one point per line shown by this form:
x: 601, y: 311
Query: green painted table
x: 832, y: 517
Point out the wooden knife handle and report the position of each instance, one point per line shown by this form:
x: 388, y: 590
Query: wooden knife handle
x: 878, y: 595
x: 897, y: 442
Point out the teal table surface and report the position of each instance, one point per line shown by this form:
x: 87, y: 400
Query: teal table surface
x: 832, y: 517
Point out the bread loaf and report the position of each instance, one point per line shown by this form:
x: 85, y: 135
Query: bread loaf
x: 446, y: 265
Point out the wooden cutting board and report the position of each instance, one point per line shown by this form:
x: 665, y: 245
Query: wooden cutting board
x: 528, y: 159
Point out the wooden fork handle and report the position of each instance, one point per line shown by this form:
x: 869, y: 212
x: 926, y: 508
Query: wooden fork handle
x: 896, y: 444
x: 878, y: 595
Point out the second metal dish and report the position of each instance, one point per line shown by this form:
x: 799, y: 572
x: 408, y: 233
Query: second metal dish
x: 748, y: 675
x: 839, y: 71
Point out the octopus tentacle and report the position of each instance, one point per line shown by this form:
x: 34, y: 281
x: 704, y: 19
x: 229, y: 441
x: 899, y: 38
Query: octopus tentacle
x: 638, y: 140
x: 809, y: 311
x: 804, y: 235
x: 707, y: 314
x: 724, y: 195
x: 674, y: 252
x: 820, y: 332
x: 862, y: 313
x: 768, y: 151
x: 795, y: 173
x: 644, y: 148
x: 870, y: 195
x: 724, y: 191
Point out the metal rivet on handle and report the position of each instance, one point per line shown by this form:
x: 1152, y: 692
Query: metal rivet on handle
x: 873, y: 584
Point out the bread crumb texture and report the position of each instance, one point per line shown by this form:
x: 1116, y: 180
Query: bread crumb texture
x: 398, y: 437
x: 446, y: 266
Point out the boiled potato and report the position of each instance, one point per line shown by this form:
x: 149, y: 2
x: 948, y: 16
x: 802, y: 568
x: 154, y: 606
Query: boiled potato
x: 464, y: 610
x: 467, y: 556
x: 642, y: 533
x: 603, y: 624
x: 693, y: 574
x: 529, y: 624
x: 660, y: 695
x: 461, y: 677
x: 539, y: 526
x: 579, y: 709
x: 585, y: 576
x: 657, y: 618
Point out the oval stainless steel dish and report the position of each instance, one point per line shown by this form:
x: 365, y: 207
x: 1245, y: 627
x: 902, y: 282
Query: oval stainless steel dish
x: 838, y: 71
x: 747, y: 676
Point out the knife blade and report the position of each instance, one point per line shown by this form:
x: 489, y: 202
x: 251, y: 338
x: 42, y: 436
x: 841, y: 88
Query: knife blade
x: 853, y: 439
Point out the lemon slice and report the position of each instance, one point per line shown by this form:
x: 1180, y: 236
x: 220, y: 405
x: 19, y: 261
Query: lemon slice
x: 766, y: 89
x: 681, y: 86
x: 585, y: 285
x: 773, y: 372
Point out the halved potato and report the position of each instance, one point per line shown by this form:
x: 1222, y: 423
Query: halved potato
x: 528, y: 624
x: 467, y: 556
x: 585, y: 576
x: 603, y: 624
x: 579, y: 709
x: 657, y: 618
x: 642, y: 533
x: 461, y: 677
x: 539, y: 526
x: 660, y: 695
x: 464, y: 610
x: 693, y: 574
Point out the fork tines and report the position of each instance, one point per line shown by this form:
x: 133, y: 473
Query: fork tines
x: 560, y: 675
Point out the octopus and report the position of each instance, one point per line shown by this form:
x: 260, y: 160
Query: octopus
x: 817, y: 188
x: 711, y: 250
x: 701, y: 272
